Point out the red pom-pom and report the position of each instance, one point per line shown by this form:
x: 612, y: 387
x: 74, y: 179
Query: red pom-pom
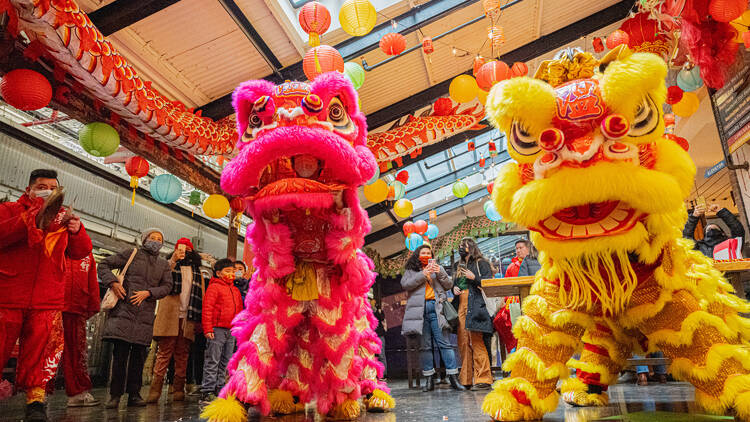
x: 674, y: 94
x: 442, y: 107
x: 25, y: 89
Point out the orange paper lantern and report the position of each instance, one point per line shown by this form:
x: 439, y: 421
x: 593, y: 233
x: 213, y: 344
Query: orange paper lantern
x: 519, y: 69
x: 314, y: 19
x: 616, y: 38
x: 598, y: 45
x: 393, y: 43
x: 496, y: 36
x: 427, y: 45
x: 322, y: 59
x: 726, y: 10
x: 479, y: 61
x: 492, y: 73
x: 25, y: 89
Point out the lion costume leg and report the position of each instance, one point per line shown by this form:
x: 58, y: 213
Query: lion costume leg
x: 547, y: 336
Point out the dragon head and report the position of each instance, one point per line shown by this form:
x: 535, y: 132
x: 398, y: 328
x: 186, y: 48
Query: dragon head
x: 594, y: 173
x: 299, y: 144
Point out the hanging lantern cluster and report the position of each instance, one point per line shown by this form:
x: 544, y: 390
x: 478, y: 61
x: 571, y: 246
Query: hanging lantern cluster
x: 496, y: 36
x: 357, y: 17
x: 322, y: 59
x: 25, y: 89
x: 136, y: 167
x: 393, y: 43
x: 314, y: 19
x: 166, y: 188
x: 99, y: 139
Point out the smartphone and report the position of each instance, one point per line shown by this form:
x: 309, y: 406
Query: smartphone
x: 432, y: 261
x: 700, y: 201
x: 462, y: 265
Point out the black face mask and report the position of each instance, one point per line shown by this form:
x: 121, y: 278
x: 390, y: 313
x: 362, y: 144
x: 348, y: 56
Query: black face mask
x: 715, y: 234
x: 463, y: 253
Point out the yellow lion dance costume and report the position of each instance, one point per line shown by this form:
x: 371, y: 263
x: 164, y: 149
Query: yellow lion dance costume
x: 603, y: 193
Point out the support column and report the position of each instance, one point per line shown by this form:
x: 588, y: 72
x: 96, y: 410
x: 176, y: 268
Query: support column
x: 232, y: 237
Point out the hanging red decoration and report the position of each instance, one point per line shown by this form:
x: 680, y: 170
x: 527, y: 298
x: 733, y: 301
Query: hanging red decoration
x: 482, y: 162
x: 427, y: 45
x: 491, y: 73
x: 403, y: 177
x: 420, y: 226
x: 314, y: 19
x: 519, y: 69
x: 682, y: 142
x: 408, y: 228
x: 644, y: 36
x: 237, y: 204
x: 393, y: 43
x: 136, y: 167
x: 726, y: 10
x: 471, y: 146
x: 443, y: 107
x: 322, y: 59
x: 433, y: 215
x: 491, y: 8
x: 674, y: 94
x: 490, y: 187
x: 496, y: 35
x: 25, y: 89
x: 493, y: 149
x: 598, y: 45
x: 479, y: 61
x: 616, y: 38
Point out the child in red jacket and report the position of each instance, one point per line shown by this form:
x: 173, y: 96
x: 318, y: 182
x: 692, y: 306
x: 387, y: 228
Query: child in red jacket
x: 221, y: 304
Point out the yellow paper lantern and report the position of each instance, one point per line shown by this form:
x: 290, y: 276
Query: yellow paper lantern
x: 216, y: 206
x: 463, y: 88
x: 687, y: 105
x: 357, y: 17
x: 482, y: 96
x: 377, y: 191
x: 403, y: 208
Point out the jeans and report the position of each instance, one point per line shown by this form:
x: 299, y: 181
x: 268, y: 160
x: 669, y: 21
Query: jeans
x: 218, y: 351
x: 431, y: 329
x: 658, y: 369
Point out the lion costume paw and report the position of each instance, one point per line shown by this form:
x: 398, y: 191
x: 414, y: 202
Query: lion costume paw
x: 225, y: 410
x: 282, y: 403
x: 380, y: 401
x: 575, y: 393
x: 346, y: 411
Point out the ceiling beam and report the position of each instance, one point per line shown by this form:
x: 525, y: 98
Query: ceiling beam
x: 123, y: 13
x: 252, y: 35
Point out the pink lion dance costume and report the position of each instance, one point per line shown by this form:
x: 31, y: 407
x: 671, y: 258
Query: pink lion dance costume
x: 306, y: 335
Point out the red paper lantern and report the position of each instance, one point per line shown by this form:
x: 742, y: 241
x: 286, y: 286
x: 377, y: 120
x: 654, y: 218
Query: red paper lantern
x: 490, y: 187
x: 644, y: 36
x: 237, y: 204
x: 674, y: 94
x: 393, y: 43
x: 420, y: 226
x: 427, y: 46
x: 519, y: 69
x: 616, y: 38
x: 479, y: 61
x: 408, y: 228
x: 471, y: 146
x: 136, y: 167
x: 598, y: 45
x: 482, y: 162
x: 727, y: 10
x: 25, y: 89
x: 322, y: 59
x: 403, y: 176
x: 491, y: 73
x: 314, y: 19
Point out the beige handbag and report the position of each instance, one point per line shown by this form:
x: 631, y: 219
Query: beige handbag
x: 110, y: 298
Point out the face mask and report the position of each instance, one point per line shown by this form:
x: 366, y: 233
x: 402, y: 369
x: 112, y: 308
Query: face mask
x: 424, y: 260
x: 43, y: 193
x: 714, y: 234
x: 463, y: 253
x: 152, y: 246
x: 238, y: 274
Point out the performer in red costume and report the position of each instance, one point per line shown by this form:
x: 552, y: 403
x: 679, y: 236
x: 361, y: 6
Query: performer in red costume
x: 33, y: 246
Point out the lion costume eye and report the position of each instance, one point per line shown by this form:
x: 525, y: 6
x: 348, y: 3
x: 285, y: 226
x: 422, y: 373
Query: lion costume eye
x: 646, y: 118
x: 338, y: 117
x: 522, y: 141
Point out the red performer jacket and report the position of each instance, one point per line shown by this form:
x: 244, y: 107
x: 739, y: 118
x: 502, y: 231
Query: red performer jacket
x: 512, y: 270
x: 81, y: 287
x: 32, y: 261
x: 221, y: 304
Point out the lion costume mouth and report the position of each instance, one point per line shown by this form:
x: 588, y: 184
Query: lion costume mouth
x: 589, y: 220
x: 299, y: 174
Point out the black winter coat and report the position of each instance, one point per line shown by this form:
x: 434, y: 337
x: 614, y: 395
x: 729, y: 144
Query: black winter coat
x: 477, y: 317
x: 706, y: 246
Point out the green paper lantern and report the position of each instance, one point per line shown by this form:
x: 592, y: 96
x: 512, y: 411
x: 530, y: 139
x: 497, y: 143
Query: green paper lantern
x: 355, y: 73
x: 99, y: 139
x: 460, y: 189
x: 166, y: 188
x: 399, y: 190
x: 195, y: 198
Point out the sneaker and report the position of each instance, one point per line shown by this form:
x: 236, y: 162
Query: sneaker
x: 207, y: 398
x: 35, y: 412
x: 135, y: 400
x: 83, y: 400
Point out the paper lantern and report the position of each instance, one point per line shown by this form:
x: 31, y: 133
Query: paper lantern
x: 432, y: 214
x: 413, y: 241
x: 482, y: 161
x: 493, y: 149
x: 432, y: 231
x: 726, y: 10
x: 399, y: 190
x: 463, y: 88
x: 616, y: 38
x: 136, y: 167
x: 357, y: 17
x: 598, y: 45
x: 420, y: 226
x: 403, y: 208
x: 354, y: 72
x: 645, y: 35
x: 689, y: 79
x: 376, y: 191
x: 408, y: 228
x: 25, y: 89
x: 314, y: 19
x: 195, y: 198
x: 687, y: 106
x: 490, y: 187
x: 393, y: 43
x: 492, y: 73
x: 519, y: 69
x: 482, y: 96
x: 166, y: 188
x: 496, y: 36
x: 491, y: 8
x: 237, y: 204
x: 427, y: 46
x: 216, y: 206
x: 460, y: 189
x: 674, y: 94
x: 99, y: 139
x: 490, y: 212
x: 479, y: 61
x: 322, y: 59
x: 374, y: 176
x: 403, y: 176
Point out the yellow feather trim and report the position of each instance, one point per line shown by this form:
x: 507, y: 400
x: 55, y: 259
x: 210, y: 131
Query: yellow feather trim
x: 543, y: 370
x: 558, y: 318
x: 641, y: 312
x: 381, y: 400
x: 225, y: 410
x: 688, y: 327
x: 282, y: 402
x: 617, y: 352
x: 502, y: 406
x: 346, y: 411
x: 574, y: 391
x: 528, y: 327
x: 685, y: 369
x: 742, y: 406
x: 735, y: 387
x: 547, y: 404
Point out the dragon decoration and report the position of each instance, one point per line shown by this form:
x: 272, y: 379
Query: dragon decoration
x: 602, y: 191
x: 306, y: 334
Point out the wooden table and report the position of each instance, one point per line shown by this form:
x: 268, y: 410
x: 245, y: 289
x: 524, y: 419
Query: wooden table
x: 732, y: 271
x: 510, y: 286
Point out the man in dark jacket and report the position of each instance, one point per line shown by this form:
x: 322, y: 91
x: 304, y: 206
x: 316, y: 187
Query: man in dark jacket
x: 713, y: 233
x: 32, y: 262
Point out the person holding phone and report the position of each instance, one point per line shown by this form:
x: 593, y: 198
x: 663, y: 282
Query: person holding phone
x: 426, y: 283
x: 713, y: 234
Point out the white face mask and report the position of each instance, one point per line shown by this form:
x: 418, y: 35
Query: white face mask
x: 238, y: 274
x: 43, y: 193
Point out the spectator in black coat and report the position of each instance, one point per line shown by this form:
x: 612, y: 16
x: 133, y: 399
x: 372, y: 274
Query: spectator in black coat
x: 713, y: 233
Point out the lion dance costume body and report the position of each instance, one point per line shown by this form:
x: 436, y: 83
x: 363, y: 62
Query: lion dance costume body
x: 602, y: 191
x: 306, y: 335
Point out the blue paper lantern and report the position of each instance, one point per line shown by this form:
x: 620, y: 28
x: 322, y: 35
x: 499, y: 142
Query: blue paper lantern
x: 432, y: 231
x: 166, y: 188
x: 491, y: 212
x: 689, y: 79
x: 399, y: 190
x: 413, y: 241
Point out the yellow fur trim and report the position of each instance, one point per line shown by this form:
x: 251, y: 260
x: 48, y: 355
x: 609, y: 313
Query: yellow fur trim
x: 282, y: 402
x: 502, y: 406
x: 683, y: 368
x: 346, y: 411
x: 544, y: 371
x: 526, y: 327
x: 507, y: 183
x: 381, y: 400
x: 225, y: 410
x: 688, y: 327
x: 742, y: 406
x: 556, y: 318
x: 542, y: 405
x: 733, y: 387
x: 574, y: 391
x: 605, y: 377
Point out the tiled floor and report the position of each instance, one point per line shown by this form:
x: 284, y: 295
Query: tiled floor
x: 660, y: 401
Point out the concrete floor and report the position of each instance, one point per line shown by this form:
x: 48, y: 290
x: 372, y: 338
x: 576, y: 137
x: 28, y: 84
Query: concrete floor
x: 660, y: 402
